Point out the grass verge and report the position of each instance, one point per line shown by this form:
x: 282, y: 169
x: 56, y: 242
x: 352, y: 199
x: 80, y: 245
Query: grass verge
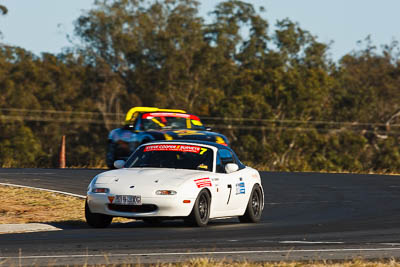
x: 25, y: 205
x: 204, y: 262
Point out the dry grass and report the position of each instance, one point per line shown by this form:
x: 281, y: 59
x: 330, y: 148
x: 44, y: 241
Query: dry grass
x: 205, y: 262
x: 23, y: 205
x: 209, y: 262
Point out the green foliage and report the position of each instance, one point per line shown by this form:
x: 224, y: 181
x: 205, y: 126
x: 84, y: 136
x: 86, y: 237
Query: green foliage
x: 19, y: 147
x: 277, y: 96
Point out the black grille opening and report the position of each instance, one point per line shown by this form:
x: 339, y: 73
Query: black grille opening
x: 133, y: 208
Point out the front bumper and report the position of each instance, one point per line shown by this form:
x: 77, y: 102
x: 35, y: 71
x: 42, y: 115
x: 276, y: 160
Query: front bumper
x: 159, y: 206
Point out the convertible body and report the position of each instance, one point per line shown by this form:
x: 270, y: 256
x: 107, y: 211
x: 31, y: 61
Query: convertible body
x: 193, y: 180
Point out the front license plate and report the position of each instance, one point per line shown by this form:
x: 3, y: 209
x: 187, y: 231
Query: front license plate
x: 127, y: 200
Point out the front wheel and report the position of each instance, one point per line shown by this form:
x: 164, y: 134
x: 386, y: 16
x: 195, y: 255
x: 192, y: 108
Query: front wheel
x: 254, y: 206
x: 201, y: 210
x: 96, y: 220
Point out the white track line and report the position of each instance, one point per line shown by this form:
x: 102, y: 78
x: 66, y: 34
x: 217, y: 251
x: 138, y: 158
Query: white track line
x: 309, y: 242
x: 43, y: 189
x: 200, y: 253
x: 33, y: 173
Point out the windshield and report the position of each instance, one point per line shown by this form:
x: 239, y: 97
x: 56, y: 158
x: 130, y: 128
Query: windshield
x: 172, y: 156
x: 158, y: 121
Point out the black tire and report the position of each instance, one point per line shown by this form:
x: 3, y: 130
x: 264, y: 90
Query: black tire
x: 97, y: 220
x: 254, y: 206
x: 200, y: 214
x: 110, y: 155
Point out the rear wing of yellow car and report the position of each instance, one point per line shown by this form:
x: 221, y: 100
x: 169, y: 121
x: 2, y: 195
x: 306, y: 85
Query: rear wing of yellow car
x: 133, y: 112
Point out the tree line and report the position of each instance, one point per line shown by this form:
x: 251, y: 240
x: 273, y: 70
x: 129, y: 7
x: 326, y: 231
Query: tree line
x: 276, y: 94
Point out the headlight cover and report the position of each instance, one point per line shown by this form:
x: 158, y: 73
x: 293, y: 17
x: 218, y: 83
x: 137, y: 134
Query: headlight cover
x: 92, y: 183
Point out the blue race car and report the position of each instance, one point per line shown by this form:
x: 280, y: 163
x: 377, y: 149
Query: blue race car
x: 145, y: 124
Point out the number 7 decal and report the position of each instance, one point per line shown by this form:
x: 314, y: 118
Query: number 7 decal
x: 202, y: 150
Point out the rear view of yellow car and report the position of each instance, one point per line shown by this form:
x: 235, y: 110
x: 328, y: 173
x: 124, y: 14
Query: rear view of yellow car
x: 146, y: 124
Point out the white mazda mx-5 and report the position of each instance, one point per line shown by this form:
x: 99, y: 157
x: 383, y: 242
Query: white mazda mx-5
x: 191, y: 180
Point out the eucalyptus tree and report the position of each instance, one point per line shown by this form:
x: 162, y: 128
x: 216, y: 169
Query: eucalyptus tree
x: 157, y: 50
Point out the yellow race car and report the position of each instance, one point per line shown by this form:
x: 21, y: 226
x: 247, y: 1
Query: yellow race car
x: 145, y: 124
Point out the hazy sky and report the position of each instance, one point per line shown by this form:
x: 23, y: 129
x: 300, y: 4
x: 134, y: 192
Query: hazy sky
x: 42, y: 25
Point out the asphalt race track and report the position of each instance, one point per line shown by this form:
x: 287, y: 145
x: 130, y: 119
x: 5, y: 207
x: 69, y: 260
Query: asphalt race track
x: 307, y: 216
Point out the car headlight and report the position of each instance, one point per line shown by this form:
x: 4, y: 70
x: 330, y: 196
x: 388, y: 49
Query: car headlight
x: 100, y: 190
x: 165, y: 192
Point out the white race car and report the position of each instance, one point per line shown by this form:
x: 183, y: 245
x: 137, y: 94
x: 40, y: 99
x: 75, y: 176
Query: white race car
x: 191, y: 180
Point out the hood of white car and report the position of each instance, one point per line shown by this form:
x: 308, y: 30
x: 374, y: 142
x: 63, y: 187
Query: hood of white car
x: 143, y: 179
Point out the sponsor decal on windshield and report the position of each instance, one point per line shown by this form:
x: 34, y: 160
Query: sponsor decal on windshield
x: 165, y: 114
x: 195, y: 119
x: 181, y: 148
x: 203, y: 182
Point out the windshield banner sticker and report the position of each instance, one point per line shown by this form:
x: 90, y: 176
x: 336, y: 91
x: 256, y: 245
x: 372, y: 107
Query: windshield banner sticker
x: 203, y: 182
x: 181, y: 148
x: 165, y: 114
